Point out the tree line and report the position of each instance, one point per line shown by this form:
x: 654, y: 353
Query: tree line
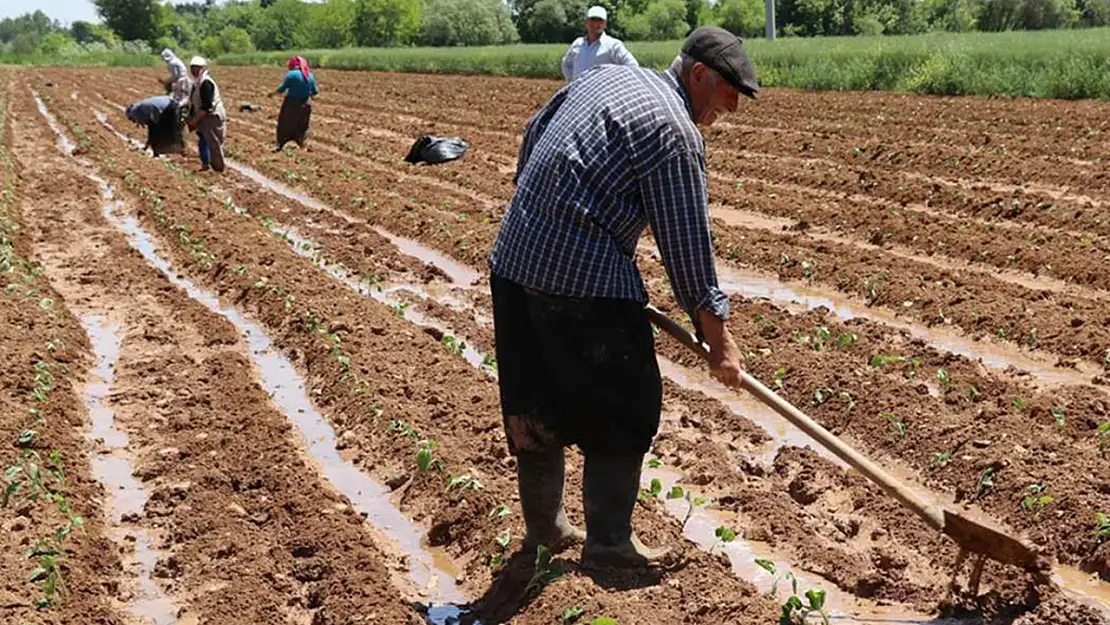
x: 246, y: 25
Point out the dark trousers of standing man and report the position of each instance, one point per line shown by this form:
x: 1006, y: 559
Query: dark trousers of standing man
x: 576, y: 371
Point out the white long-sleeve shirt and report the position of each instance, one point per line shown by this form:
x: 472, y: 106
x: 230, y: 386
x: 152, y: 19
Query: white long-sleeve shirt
x: 582, y: 55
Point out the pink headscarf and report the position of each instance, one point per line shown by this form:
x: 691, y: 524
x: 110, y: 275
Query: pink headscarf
x: 299, y: 62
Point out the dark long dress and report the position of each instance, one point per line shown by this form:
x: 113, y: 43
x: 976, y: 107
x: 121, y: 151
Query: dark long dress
x: 293, y: 121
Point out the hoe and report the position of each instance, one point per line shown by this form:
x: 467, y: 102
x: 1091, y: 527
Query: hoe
x: 971, y: 536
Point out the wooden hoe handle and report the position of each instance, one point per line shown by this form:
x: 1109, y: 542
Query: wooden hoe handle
x: 930, y: 514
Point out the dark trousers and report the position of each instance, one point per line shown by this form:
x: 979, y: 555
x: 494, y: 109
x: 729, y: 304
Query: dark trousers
x: 575, y: 371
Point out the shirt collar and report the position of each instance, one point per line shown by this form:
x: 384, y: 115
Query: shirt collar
x: 671, y: 74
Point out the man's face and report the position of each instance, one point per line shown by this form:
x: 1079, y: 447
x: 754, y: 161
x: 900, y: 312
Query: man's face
x: 195, y: 70
x: 594, y: 27
x: 711, y: 96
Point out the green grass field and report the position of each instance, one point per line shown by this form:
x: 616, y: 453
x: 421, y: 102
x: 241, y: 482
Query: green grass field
x: 1070, y: 64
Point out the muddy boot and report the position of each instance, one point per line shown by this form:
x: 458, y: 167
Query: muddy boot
x: 612, y: 483
x: 540, y: 480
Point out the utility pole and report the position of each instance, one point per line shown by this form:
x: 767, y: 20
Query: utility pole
x: 770, y: 20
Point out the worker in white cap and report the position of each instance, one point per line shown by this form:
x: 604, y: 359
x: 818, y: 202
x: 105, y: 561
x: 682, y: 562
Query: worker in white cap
x: 596, y: 48
x: 208, y: 116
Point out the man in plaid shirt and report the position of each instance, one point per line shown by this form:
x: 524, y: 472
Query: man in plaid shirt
x: 615, y: 150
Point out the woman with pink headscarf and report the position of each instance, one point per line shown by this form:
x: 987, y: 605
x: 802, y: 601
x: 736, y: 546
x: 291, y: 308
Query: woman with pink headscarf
x: 299, y: 87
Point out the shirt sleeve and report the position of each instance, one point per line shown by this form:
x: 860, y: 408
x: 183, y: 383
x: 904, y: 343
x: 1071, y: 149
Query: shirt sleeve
x: 312, y: 90
x: 534, y: 130
x: 284, y: 84
x: 568, y: 62
x: 676, y: 199
x: 207, y: 93
x: 622, y: 56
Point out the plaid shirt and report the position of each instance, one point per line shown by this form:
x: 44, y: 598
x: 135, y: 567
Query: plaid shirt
x: 611, y: 152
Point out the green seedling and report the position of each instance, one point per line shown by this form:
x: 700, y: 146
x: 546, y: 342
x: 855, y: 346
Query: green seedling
x: 1060, y: 416
x: 943, y: 378
x: 499, y: 511
x: 882, y: 361
x: 974, y: 395
x: 692, y: 502
x: 454, y: 345
x: 1104, y: 436
x: 724, y: 536
x: 820, y: 395
x: 986, y: 481
x: 54, y: 346
x: 780, y: 375
x: 654, y: 463
x: 504, y: 539
x: 794, y: 610
x: 404, y: 428
x: 572, y: 614
x: 845, y: 340
x: 464, y: 482
x: 1019, y: 403
x: 399, y: 308
x: 425, y: 460
x: 897, y: 424
x: 1102, y: 526
x: 941, y: 459
x: 655, y: 490
x: 604, y: 620
x: 546, y: 571
x: 1036, y: 501
x: 489, y: 362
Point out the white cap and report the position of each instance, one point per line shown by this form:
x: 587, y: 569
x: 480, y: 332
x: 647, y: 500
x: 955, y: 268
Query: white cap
x: 198, y: 61
x: 598, y: 12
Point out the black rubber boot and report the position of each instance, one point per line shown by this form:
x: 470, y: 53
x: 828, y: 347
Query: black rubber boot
x: 540, y: 477
x: 612, y: 483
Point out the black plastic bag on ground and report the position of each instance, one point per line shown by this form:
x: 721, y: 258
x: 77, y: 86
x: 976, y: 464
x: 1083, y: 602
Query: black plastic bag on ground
x: 432, y: 149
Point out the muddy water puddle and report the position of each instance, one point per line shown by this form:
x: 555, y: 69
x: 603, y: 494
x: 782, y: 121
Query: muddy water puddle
x: 114, y: 469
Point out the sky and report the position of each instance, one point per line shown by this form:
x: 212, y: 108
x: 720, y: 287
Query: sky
x: 65, y: 11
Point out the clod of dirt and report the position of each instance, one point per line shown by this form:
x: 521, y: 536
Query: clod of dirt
x: 346, y: 440
x: 304, y: 551
x: 167, y: 568
x: 397, y: 481
x: 808, y: 486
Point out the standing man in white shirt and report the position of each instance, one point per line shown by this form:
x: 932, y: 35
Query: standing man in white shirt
x: 596, y: 48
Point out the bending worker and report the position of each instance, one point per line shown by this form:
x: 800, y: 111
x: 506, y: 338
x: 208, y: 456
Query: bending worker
x: 209, y: 117
x: 163, y: 126
x: 596, y: 48
x: 610, y: 153
x: 299, y: 86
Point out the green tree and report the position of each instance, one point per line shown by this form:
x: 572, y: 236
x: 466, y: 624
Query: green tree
x: 211, y: 46
x: 331, y: 24
x: 662, y: 20
x: 466, y: 23
x: 550, y: 21
x: 236, y: 40
x: 131, y: 19
x: 53, y: 43
x: 386, y: 22
x: 281, y: 26
x: 743, y: 18
x: 26, y: 42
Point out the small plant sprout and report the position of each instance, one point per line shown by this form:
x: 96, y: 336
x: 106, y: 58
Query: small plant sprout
x: 941, y: 458
x: 692, y: 502
x: 499, y: 511
x: 489, y: 362
x: 724, y: 535
x: 821, y: 394
x: 845, y: 340
x: 986, y: 481
x: 780, y: 375
x: 546, y: 571
x: 943, y: 378
x: 424, y: 458
x: 654, y: 491
x: 572, y: 614
x: 1035, y: 501
x: 1104, y: 436
x: 399, y: 308
x: 654, y: 463
x: 604, y: 620
x: 794, y: 610
x: 1102, y: 526
x: 882, y: 361
x: 454, y: 345
x: 1020, y: 403
x: 464, y: 482
x: 1060, y: 417
x: 897, y: 424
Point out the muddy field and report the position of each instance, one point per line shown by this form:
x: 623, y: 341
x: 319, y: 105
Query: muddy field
x: 270, y: 396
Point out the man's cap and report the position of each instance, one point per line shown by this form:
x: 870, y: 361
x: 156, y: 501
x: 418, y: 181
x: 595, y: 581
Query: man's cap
x: 723, y: 51
x: 598, y: 12
x: 198, y: 61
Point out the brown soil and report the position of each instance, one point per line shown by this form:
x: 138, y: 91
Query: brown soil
x: 813, y: 515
